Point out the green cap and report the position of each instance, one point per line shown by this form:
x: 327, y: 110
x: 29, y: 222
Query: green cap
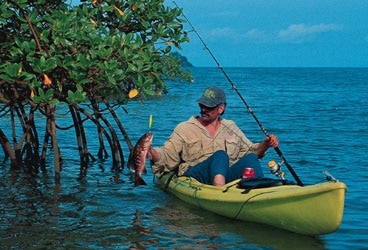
x: 212, y: 96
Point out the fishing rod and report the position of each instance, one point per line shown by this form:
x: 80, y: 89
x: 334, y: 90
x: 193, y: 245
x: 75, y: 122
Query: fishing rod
x: 277, y: 149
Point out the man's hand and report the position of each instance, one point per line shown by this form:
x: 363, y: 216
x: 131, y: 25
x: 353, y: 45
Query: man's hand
x: 271, y: 141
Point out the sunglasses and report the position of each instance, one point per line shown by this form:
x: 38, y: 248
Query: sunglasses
x: 207, y: 108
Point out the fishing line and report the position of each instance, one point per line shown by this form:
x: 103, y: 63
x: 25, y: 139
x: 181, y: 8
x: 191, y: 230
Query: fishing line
x: 278, y: 151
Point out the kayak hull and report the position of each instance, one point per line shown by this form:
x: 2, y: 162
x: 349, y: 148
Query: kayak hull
x: 310, y: 210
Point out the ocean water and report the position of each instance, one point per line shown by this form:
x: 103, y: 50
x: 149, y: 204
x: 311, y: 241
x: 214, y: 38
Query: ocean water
x: 320, y: 116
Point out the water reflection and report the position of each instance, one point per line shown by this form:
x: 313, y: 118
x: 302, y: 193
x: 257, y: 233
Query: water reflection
x: 140, y: 233
x: 187, y: 226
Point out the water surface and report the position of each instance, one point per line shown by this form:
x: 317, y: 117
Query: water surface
x: 319, y: 114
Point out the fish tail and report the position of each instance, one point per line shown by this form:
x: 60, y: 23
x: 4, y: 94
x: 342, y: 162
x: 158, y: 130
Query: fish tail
x: 139, y: 181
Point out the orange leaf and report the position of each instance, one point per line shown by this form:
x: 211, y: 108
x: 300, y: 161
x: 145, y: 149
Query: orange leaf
x: 133, y: 93
x: 93, y: 21
x: 121, y: 13
x: 46, y: 80
x: 32, y: 93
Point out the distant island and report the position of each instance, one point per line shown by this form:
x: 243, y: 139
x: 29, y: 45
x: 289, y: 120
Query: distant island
x: 183, y: 60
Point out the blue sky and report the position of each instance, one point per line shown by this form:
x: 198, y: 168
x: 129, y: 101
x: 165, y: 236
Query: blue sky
x: 277, y: 33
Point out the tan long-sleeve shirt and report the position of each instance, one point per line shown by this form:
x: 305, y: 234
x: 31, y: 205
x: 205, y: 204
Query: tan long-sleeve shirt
x: 190, y: 143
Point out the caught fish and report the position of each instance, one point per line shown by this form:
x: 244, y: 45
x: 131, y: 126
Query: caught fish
x: 137, y: 159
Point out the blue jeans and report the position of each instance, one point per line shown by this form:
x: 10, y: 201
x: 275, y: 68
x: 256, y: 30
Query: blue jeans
x: 218, y: 163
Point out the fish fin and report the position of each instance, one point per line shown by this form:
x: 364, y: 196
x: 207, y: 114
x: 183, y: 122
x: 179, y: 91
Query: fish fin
x: 131, y: 168
x: 130, y: 163
x: 139, y: 181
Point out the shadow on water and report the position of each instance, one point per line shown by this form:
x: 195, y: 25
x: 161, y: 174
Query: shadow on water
x: 185, y: 226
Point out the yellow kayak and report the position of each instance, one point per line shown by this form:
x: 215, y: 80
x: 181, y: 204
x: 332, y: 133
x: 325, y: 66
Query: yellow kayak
x: 311, y: 210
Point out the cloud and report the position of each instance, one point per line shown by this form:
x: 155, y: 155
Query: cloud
x: 256, y: 35
x: 222, y: 32
x: 301, y: 32
x: 295, y: 33
x: 235, y: 36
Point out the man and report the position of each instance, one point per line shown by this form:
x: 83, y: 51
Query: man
x: 209, y: 148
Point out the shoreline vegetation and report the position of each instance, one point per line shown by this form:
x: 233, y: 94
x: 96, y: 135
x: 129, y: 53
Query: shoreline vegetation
x: 93, y: 56
x: 183, y: 60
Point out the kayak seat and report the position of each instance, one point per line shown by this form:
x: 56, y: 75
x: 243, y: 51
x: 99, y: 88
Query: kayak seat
x: 253, y: 183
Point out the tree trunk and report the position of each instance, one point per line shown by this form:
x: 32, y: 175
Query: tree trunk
x: 52, y: 132
x: 8, y: 151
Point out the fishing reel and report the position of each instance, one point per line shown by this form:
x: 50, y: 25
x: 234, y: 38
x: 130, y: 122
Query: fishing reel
x: 275, y: 168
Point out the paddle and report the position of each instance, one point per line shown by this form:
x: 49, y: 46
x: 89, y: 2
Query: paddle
x: 277, y: 149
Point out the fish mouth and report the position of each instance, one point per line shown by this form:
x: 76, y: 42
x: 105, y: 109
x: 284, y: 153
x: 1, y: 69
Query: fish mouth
x: 149, y: 138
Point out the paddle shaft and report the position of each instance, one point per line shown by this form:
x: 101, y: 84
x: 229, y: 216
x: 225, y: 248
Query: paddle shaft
x: 277, y: 149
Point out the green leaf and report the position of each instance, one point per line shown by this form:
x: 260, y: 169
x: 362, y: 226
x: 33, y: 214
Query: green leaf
x: 111, y: 80
x: 149, y: 92
x: 41, y: 93
x: 79, y: 96
x: 50, y: 64
x: 49, y: 93
x: 5, y: 78
x: 79, y: 87
x: 37, y: 99
x: 132, y: 68
x: 54, y: 102
x: 27, y: 77
x: 12, y: 70
x: 4, y: 12
x: 70, y: 97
